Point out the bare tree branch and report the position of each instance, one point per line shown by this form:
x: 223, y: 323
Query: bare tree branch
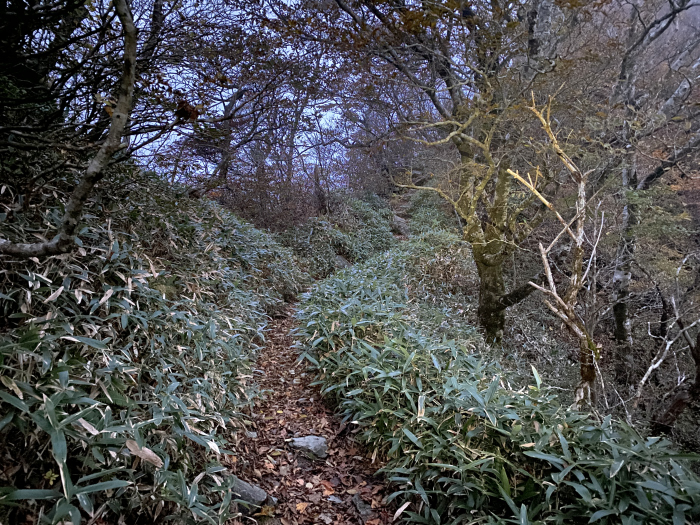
x: 64, y: 241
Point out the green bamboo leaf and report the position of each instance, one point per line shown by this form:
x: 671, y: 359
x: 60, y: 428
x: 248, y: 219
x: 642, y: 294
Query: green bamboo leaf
x: 38, y: 494
x: 7, y: 419
x: 523, y: 515
x: 583, y: 491
x: 505, y: 484
x: 545, y: 457
x: 616, y: 466
x: 14, y: 401
x: 102, y: 486
x: 101, y: 473
x: 93, y: 343
x: 491, y: 389
x: 412, y: 437
x: 601, y: 514
x: 538, y: 379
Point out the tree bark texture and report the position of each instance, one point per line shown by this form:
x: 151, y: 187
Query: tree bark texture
x: 491, y: 313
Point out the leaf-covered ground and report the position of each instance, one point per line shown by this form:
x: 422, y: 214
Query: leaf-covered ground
x: 309, y: 491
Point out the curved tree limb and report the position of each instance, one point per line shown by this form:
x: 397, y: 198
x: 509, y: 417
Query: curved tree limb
x: 64, y: 241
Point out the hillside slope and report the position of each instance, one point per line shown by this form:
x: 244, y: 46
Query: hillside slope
x: 136, y: 346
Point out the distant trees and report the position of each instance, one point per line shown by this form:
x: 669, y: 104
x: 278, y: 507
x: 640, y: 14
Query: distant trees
x: 458, y: 77
x: 463, y: 70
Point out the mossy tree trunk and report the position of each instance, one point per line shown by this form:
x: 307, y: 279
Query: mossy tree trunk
x: 492, y: 316
x: 493, y: 234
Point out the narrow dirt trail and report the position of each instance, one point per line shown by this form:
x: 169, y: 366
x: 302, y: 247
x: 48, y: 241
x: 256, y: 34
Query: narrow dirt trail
x: 319, y: 491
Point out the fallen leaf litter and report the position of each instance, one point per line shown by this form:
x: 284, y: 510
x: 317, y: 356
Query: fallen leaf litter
x: 309, y: 490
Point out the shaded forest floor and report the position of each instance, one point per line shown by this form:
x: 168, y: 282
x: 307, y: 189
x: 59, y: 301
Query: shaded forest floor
x: 340, y: 489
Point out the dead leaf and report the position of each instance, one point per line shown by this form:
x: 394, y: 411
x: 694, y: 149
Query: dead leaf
x: 301, y: 507
x: 327, y: 488
x: 87, y: 426
x: 401, y: 509
x: 144, y: 453
x: 266, y: 510
x: 54, y: 295
x: 106, y: 296
x: 10, y: 383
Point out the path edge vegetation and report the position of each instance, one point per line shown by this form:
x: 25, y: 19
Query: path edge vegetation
x: 127, y: 362
x: 464, y: 440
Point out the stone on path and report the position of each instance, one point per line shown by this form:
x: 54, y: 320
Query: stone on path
x: 366, y: 512
x: 249, y: 493
x: 315, y: 445
x: 269, y: 520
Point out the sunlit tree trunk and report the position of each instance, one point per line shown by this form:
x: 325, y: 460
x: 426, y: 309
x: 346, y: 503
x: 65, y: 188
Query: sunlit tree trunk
x: 492, y: 316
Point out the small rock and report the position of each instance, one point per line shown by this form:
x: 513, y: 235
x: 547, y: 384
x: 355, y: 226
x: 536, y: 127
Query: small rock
x: 400, y: 225
x: 315, y: 445
x: 366, y: 512
x: 251, y: 494
x: 252, y: 435
x: 341, y: 262
x: 267, y: 520
x: 335, y: 499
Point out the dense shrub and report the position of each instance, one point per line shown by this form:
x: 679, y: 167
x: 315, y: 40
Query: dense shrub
x: 430, y: 212
x: 124, y: 364
x: 463, y: 444
x: 355, y: 230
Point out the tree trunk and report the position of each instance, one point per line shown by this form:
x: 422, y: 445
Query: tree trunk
x: 491, y: 313
x: 623, y: 277
x: 584, y: 395
x: 64, y: 241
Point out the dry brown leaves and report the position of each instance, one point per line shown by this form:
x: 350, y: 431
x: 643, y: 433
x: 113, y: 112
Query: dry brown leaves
x: 309, y: 491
